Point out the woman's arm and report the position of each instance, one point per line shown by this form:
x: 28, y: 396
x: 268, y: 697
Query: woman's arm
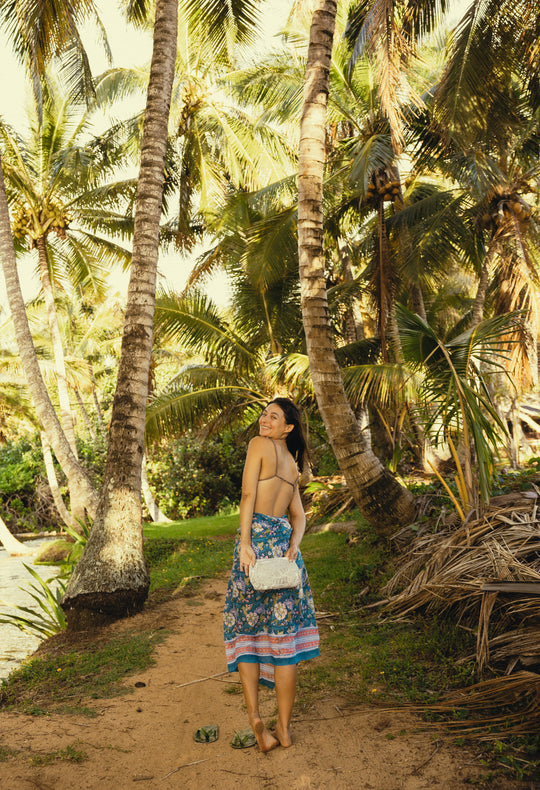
x: 250, y: 481
x: 297, y: 517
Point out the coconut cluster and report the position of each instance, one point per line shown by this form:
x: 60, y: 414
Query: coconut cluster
x: 505, y: 208
x: 26, y: 223
x: 382, y: 187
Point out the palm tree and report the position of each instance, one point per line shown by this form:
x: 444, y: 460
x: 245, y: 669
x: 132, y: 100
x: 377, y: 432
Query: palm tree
x: 40, y: 396
x: 40, y: 32
x: 59, y: 189
x: 493, y: 160
x: 111, y: 577
x: 216, y: 145
x: 379, y: 496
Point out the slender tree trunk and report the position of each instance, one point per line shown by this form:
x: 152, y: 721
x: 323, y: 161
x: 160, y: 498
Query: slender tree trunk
x: 354, y: 324
x: 99, y: 413
x: 38, y: 391
x: 111, y: 579
x: 13, y: 546
x: 381, y: 499
x: 417, y: 298
x: 66, y: 415
x: 76, y: 498
x: 63, y: 512
x: 483, y: 283
x: 82, y: 408
x: 156, y: 514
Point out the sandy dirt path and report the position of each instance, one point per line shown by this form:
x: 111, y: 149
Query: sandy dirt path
x: 145, y: 739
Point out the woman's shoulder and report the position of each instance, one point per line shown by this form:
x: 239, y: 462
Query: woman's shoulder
x: 259, y: 444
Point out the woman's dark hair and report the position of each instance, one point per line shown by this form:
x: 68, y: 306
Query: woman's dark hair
x: 296, y: 441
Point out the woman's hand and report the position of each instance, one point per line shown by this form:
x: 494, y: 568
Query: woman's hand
x: 247, y: 558
x: 292, y: 552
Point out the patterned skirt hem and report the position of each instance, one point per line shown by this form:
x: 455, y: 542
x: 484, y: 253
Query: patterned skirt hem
x: 252, y: 658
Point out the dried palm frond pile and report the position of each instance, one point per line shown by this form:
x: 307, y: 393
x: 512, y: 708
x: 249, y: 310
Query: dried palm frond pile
x: 448, y: 572
x: 510, y: 703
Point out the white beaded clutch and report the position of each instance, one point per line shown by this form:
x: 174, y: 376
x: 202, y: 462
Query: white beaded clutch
x: 274, y: 573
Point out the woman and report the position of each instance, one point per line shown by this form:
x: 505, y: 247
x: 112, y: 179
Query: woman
x: 268, y: 633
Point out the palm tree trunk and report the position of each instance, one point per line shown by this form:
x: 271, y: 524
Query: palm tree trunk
x: 62, y: 510
x: 382, y: 500
x: 152, y: 506
x: 99, y: 413
x: 111, y: 579
x: 82, y: 408
x: 483, y: 283
x: 66, y: 415
x: 13, y: 546
x: 354, y: 324
x: 38, y: 391
x: 76, y: 498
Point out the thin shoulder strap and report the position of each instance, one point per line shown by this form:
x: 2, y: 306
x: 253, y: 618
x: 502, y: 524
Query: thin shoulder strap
x: 275, y: 450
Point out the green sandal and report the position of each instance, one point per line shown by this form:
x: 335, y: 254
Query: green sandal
x: 243, y: 739
x: 207, y: 734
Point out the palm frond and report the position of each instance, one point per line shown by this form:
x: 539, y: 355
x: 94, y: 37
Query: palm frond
x: 201, y: 328
x: 385, y: 385
x: 179, y: 409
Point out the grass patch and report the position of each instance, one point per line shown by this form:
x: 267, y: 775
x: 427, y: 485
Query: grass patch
x: 204, y: 527
x: 181, y: 565
x: 88, y: 671
x: 71, y: 753
x: 7, y: 754
x: 364, y: 658
x: 181, y: 554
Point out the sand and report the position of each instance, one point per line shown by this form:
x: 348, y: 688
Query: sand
x: 145, y: 739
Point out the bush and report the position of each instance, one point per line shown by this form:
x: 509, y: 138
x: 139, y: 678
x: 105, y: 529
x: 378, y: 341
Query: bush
x: 92, y: 455
x: 197, y: 477
x: 22, y: 474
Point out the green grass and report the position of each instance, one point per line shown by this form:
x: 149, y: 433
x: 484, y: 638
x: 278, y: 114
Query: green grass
x: 364, y: 658
x: 85, y: 671
x: 181, y: 565
x: 182, y: 554
x: 7, y: 754
x: 204, y: 527
x: 71, y: 753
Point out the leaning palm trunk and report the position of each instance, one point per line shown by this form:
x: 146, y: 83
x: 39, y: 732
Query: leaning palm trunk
x: 67, y: 517
x: 381, y: 499
x: 74, y: 472
x: 156, y: 514
x: 13, y: 546
x: 111, y: 579
x: 66, y: 415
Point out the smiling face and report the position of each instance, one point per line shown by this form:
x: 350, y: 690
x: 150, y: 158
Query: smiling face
x: 272, y: 423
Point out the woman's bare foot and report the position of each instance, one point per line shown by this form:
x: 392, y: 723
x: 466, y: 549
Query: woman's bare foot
x: 265, y: 739
x: 284, y: 735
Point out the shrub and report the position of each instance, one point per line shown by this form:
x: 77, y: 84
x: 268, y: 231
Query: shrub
x: 22, y: 474
x: 197, y: 477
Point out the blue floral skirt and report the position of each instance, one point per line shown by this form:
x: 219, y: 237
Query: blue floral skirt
x: 271, y: 627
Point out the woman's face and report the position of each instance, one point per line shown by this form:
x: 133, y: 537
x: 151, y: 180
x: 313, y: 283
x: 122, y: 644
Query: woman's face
x: 272, y: 423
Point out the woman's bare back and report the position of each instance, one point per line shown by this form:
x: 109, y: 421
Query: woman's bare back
x: 277, y: 481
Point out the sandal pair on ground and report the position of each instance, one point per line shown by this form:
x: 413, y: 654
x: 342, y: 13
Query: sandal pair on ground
x: 242, y: 739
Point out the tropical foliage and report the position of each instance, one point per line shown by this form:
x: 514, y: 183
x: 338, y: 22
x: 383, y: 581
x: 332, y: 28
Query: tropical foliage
x: 427, y: 240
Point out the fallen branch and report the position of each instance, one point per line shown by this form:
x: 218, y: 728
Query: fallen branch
x: 200, y: 680
x: 186, y: 765
x: 419, y: 767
